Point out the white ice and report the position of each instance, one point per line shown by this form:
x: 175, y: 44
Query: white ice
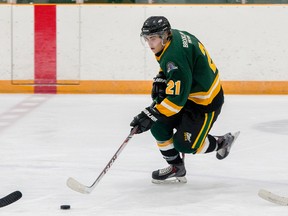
x: 44, y: 139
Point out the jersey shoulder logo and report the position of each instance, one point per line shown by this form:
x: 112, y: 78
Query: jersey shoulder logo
x: 171, y: 66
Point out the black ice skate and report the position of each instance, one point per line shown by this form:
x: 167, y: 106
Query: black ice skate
x: 172, y: 174
x: 226, y: 143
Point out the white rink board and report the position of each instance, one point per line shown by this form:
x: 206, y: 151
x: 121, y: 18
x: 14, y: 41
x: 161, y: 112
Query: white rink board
x: 245, y: 42
x: 22, y: 43
x: 68, y: 43
x: 111, y: 43
x: 101, y: 42
x: 5, y: 42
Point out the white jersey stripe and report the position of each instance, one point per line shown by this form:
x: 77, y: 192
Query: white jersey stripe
x: 167, y: 106
x: 209, y: 95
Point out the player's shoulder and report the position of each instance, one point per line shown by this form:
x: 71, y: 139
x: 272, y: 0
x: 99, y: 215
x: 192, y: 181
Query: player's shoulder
x: 184, y: 37
x: 182, y: 32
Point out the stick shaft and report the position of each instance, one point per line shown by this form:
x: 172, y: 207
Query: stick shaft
x: 77, y: 186
x: 115, y: 156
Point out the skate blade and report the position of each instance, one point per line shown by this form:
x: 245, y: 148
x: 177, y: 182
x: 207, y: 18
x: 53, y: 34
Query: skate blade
x: 235, y: 135
x: 173, y: 180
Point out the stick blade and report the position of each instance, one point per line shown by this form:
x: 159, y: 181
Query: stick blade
x: 271, y: 197
x: 77, y: 186
x: 10, y: 198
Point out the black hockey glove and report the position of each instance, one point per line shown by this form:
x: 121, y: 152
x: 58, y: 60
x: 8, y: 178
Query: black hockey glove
x: 159, y: 88
x: 145, y: 119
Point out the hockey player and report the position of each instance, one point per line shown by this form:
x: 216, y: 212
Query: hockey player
x: 188, y: 96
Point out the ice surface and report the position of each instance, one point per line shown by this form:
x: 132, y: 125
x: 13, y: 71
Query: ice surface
x: 44, y: 139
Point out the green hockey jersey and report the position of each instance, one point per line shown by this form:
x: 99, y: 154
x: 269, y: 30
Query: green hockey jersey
x: 192, y: 77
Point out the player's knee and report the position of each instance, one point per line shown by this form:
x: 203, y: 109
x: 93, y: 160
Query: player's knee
x: 160, y: 133
x: 183, y: 145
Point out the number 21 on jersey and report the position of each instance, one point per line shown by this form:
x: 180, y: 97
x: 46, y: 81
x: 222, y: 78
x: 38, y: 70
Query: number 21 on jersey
x: 173, y: 88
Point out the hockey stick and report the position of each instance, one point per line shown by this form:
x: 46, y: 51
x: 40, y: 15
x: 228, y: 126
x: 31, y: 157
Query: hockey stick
x: 10, y: 198
x: 274, y: 198
x: 77, y: 186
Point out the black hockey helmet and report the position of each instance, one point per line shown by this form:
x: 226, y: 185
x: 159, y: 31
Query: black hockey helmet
x: 155, y: 25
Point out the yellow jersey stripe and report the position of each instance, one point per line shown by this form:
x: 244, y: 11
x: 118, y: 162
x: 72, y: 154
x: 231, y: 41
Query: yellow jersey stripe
x: 204, y: 130
x: 205, y: 144
x: 168, y: 108
x: 205, y: 98
x: 165, y: 143
x: 166, y: 46
x: 196, y: 140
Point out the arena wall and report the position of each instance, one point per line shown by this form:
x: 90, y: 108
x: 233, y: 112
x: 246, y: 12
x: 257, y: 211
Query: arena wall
x: 97, y: 49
